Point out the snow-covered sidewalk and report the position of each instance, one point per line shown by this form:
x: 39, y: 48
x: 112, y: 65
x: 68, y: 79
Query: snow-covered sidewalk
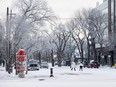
x: 63, y: 77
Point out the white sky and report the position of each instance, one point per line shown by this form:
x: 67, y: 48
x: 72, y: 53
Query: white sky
x: 62, y: 8
x: 66, y: 8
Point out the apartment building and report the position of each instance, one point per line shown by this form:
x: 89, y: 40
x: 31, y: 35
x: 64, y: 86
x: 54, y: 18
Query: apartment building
x: 109, y: 8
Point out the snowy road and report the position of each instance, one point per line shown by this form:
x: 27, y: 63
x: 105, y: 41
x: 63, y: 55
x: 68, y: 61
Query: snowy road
x: 63, y: 77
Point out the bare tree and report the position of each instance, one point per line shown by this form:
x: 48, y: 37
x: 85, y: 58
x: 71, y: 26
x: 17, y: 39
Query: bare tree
x: 60, y: 38
x: 83, y: 21
x: 92, y: 23
x: 78, y: 37
x: 31, y: 17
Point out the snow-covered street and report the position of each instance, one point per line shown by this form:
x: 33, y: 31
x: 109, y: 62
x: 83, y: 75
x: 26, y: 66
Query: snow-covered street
x: 63, y: 77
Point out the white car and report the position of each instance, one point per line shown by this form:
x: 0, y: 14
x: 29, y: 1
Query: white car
x: 33, y: 65
x: 44, y: 65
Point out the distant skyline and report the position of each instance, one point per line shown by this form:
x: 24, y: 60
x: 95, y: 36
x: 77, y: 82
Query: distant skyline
x: 62, y: 8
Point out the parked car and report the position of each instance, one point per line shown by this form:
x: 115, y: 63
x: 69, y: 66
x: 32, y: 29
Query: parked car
x: 33, y: 65
x: 94, y: 65
x: 44, y: 65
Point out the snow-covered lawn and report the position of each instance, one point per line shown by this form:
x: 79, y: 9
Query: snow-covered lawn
x: 63, y: 77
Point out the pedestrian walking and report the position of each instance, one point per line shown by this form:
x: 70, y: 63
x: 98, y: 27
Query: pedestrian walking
x: 80, y: 67
x: 73, y: 66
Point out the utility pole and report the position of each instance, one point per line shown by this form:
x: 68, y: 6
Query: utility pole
x: 8, y: 39
x: 8, y: 28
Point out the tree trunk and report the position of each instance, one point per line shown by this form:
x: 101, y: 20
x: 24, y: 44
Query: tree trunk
x: 94, y: 50
x: 88, y: 54
x: 59, y: 58
x: 82, y: 53
x: 100, y: 54
x: 9, y: 68
x: 39, y: 55
x: 52, y: 59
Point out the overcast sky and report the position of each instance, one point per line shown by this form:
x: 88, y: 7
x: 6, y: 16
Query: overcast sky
x: 62, y: 8
x: 65, y: 8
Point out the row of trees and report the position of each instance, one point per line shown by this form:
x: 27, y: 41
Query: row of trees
x: 81, y: 33
x: 28, y: 29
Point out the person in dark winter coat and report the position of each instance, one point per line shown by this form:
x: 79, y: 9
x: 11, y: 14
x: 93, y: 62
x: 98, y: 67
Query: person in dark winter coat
x: 80, y: 67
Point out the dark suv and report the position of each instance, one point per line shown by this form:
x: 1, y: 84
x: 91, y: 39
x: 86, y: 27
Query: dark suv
x: 94, y: 65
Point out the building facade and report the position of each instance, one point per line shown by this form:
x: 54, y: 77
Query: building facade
x: 109, y: 8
